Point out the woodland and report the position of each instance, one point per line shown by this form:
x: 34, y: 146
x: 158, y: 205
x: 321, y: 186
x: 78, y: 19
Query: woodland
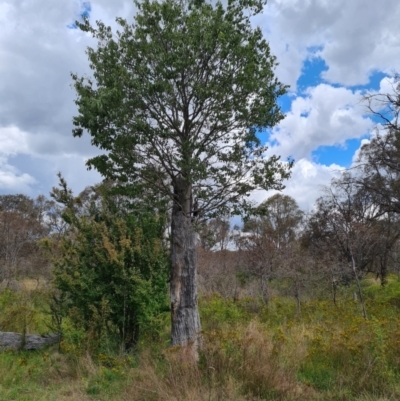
x: 293, y: 305
x: 141, y: 283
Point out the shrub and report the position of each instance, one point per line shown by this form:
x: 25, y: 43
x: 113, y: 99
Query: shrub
x: 110, y: 268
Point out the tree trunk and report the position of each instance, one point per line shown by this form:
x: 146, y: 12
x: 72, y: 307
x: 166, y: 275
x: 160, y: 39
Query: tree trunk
x: 360, y: 293
x: 185, y: 318
x: 264, y: 289
x: 383, y: 268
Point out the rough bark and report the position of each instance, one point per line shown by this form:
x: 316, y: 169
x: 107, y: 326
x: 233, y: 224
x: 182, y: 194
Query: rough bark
x: 183, y: 286
x: 16, y: 341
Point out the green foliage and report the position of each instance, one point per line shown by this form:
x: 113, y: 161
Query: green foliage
x: 278, y: 310
x: 218, y: 312
x: 182, y: 92
x: 388, y: 294
x: 24, y: 311
x: 277, y: 218
x: 318, y: 374
x: 248, y: 355
x: 345, y: 349
x: 49, y: 375
x: 244, y: 277
x: 111, y: 270
x: 331, y: 349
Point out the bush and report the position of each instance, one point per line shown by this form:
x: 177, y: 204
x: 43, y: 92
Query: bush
x: 110, y: 268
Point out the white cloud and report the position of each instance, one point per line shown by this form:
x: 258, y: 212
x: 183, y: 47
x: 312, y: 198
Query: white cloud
x: 73, y: 169
x: 356, y: 38
x: 19, y: 149
x: 12, y: 180
x: 305, y: 184
x: 357, y: 152
x: 308, y: 179
x: 326, y: 116
x: 107, y: 11
x: 38, y: 52
x: 13, y: 141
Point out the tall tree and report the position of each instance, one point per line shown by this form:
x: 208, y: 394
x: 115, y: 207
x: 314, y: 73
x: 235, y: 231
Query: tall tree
x: 277, y: 219
x: 345, y: 219
x: 215, y: 234
x: 176, y: 101
x: 377, y: 173
x: 23, y: 221
x: 271, y: 239
x: 378, y: 170
x: 347, y: 224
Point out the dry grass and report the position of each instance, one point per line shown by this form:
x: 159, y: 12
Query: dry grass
x: 242, y: 365
x: 251, y: 352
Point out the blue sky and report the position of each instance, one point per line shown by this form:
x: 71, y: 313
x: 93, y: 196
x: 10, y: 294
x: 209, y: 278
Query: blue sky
x: 311, y: 76
x: 330, y: 53
x: 84, y: 12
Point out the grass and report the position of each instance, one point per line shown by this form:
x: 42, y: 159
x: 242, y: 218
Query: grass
x: 49, y: 375
x: 251, y: 352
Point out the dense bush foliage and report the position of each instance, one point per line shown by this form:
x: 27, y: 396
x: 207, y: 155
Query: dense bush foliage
x: 110, y: 268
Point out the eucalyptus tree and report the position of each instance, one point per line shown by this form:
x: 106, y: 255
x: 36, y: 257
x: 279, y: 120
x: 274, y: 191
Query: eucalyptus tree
x: 377, y: 171
x: 378, y: 167
x: 23, y: 222
x: 270, y: 239
x: 176, y: 100
x: 278, y: 218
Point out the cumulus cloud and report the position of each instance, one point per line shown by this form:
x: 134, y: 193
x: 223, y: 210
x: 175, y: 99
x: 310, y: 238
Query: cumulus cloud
x: 38, y: 51
x: 325, y: 116
x: 18, y: 152
x: 307, y: 181
x: 355, y: 40
x: 305, y: 184
x: 12, y: 180
x: 13, y: 141
x: 107, y: 11
x: 37, y: 55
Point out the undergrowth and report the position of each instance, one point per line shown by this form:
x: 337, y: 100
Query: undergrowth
x: 251, y: 351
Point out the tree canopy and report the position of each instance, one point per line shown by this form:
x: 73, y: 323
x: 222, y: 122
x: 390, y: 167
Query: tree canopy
x: 181, y: 94
x: 277, y: 219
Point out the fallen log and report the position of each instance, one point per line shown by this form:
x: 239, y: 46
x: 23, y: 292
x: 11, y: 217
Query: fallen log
x: 16, y: 341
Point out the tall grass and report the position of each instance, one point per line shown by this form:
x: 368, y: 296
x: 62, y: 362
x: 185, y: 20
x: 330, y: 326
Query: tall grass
x: 251, y: 352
